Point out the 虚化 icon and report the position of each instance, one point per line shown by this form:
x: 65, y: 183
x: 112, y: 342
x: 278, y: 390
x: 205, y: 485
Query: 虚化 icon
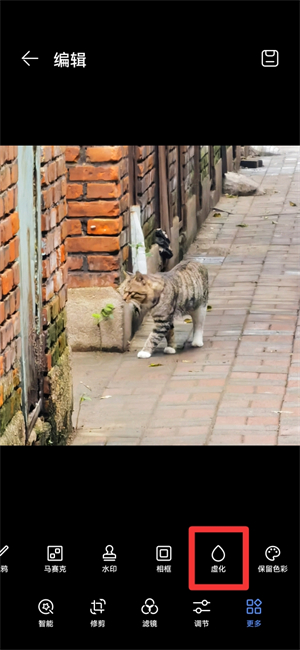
x: 164, y: 553
x: 3, y: 550
x: 149, y: 607
x: 46, y: 606
x: 54, y: 553
x: 98, y: 606
x: 218, y: 554
x: 250, y: 609
x: 272, y: 552
x: 198, y: 610
x: 270, y: 58
x: 109, y: 555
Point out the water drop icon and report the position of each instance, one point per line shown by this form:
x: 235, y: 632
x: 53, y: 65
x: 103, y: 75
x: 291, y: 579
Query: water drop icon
x: 218, y: 554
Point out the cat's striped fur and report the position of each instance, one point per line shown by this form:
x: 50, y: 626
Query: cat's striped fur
x: 183, y: 290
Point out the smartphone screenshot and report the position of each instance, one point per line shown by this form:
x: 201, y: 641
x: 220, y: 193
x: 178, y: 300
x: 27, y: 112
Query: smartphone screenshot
x: 149, y: 327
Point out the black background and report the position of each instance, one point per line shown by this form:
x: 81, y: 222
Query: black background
x: 136, y: 499
x: 176, y: 67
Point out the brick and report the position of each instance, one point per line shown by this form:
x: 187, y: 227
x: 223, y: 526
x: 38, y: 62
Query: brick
x: 57, y: 236
x: 58, y: 280
x: 9, y: 200
x: 47, y: 198
x: 54, y: 307
x: 63, y: 186
x: 72, y: 154
x: 90, y: 173
x: 64, y: 270
x: 104, y: 226
x: 48, y: 243
x: 16, y: 323
x: 74, y: 190
x: 7, y: 229
x: 75, y: 262
x: 16, y: 273
x: 61, y: 166
x: 77, y: 280
x: 104, y: 154
x: 52, y: 261
x: 1, y: 207
x: 2, y: 155
x: 92, y: 244
x: 52, y: 173
x: 53, y: 216
x: 46, y: 386
x: 4, y: 178
x: 94, y: 209
x: 17, y: 297
x: 103, y: 262
x: 70, y: 227
x: 46, y: 154
x: 60, y: 255
x: 15, y: 222
x: 57, y: 191
x: 56, y: 151
x: 14, y: 248
x: 45, y: 221
x: 2, y: 315
x: 62, y: 295
x: 7, y: 281
x: 46, y: 268
x: 103, y: 190
x: 47, y: 290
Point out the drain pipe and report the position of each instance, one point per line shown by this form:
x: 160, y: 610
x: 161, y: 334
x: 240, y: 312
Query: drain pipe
x: 138, y: 251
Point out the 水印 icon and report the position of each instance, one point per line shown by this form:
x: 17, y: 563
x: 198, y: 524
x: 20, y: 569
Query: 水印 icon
x: 272, y: 552
x: 46, y: 606
x: 3, y: 550
x: 270, y: 58
x: 149, y: 607
x: 54, y: 553
x: 218, y: 554
x: 109, y: 555
x: 164, y: 553
x: 253, y: 606
x: 198, y: 610
x: 98, y: 606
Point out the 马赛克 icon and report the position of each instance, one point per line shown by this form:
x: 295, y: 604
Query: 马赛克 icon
x: 3, y: 550
x: 149, y: 607
x: 109, y: 555
x: 270, y: 58
x: 198, y: 610
x: 164, y: 553
x: 253, y: 606
x: 272, y: 552
x: 98, y: 606
x: 54, y: 553
x: 46, y: 606
x: 218, y: 554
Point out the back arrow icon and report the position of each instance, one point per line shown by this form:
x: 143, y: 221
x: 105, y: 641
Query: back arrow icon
x: 30, y: 57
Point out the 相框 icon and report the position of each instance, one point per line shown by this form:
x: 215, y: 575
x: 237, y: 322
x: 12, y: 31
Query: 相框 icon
x: 164, y: 553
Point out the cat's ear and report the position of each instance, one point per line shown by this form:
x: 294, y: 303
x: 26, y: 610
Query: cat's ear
x: 139, y: 277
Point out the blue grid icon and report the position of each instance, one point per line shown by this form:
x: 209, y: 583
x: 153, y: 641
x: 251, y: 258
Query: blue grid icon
x: 250, y: 609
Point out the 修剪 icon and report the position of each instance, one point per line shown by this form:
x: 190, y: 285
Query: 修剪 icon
x: 98, y: 606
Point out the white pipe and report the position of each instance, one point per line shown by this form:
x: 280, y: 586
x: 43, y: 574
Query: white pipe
x: 139, y: 262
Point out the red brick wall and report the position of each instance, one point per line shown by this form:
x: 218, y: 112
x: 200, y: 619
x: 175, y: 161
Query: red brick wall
x: 54, y: 255
x: 97, y: 228
x: 10, y: 342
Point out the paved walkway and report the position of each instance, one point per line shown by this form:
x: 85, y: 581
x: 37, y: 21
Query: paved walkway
x: 242, y: 386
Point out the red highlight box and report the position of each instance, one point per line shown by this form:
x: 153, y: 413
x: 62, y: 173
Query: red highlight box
x: 244, y: 585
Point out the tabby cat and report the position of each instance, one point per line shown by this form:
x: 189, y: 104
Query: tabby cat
x: 183, y: 290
